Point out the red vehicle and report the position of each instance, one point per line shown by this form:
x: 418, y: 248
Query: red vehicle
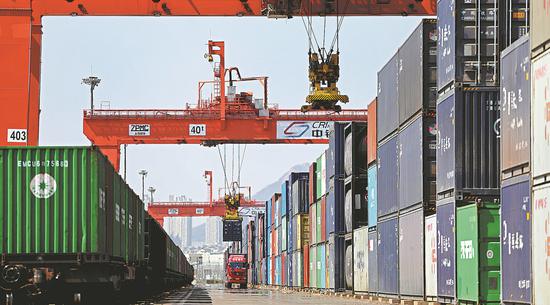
x: 236, y: 270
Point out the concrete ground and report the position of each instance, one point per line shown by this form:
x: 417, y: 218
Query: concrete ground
x: 218, y: 295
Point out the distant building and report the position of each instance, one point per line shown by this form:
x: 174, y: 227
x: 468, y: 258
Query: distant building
x: 180, y: 229
x: 214, y: 232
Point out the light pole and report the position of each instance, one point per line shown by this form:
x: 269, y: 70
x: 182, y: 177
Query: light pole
x: 92, y: 81
x: 152, y: 191
x: 143, y: 174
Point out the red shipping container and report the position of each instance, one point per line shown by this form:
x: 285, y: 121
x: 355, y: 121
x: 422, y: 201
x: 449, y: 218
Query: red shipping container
x: 305, y: 265
x: 371, y: 132
x: 323, y: 218
x: 312, y: 183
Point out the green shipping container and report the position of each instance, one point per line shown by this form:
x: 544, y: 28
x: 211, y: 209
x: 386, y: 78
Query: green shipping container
x: 313, y: 267
x: 478, y: 254
x: 66, y: 200
x: 320, y: 175
x: 318, y: 222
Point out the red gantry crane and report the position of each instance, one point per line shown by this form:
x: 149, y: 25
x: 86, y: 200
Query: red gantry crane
x: 225, y: 118
x: 21, y: 43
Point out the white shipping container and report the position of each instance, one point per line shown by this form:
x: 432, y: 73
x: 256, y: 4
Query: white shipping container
x: 541, y: 115
x: 323, y: 173
x: 541, y: 245
x: 360, y: 259
x: 430, y: 255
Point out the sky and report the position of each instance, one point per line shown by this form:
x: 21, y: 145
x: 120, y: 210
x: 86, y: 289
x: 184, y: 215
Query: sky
x: 156, y: 62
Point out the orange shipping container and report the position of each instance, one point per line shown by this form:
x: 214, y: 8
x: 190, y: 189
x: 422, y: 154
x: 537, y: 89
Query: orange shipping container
x: 371, y: 132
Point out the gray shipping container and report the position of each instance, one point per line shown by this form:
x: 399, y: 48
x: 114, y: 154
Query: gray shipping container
x: 388, y: 257
x: 373, y: 262
x: 516, y: 239
x: 349, y: 266
x: 515, y: 108
x: 417, y: 70
x: 467, y: 50
x: 411, y: 253
x: 387, y: 109
x: 540, y: 24
x: 388, y: 177
x: 446, y: 248
x: 468, y: 148
x: 417, y: 143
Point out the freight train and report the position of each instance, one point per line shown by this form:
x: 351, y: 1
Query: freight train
x: 73, y: 231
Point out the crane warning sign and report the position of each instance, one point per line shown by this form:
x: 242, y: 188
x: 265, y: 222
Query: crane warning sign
x: 303, y: 130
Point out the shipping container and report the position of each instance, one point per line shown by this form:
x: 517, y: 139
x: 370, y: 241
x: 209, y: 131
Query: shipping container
x: 388, y: 177
x: 373, y: 262
x: 312, y: 182
x: 515, y: 108
x: 66, y: 200
x: 289, y: 270
x: 320, y: 221
x: 411, y: 254
x: 446, y: 249
x: 355, y: 149
x: 320, y: 174
x: 515, y: 240
x: 417, y: 83
x: 284, y: 269
x: 430, y: 256
x: 372, y: 142
x: 306, y: 266
x: 283, y: 234
x: 335, y: 155
x: 467, y: 48
x: 301, y: 230
x: 313, y: 224
x: 290, y: 230
x: 541, y: 244
x: 355, y: 203
x: 269, y: 213
x: 297, y: 271
x: 540, y: 26
x: 388, y: 99
x: 417, y: 142
x: 372, y: 196
x: 478, y: 253
x: 313, y: 266
x: 335, y: 262
x: 388, y: 257
x: 360, y: 259
x: 284, y: 199
x: 514, y: 18
x: 541, y: 117
x: 321, y: 266
x: 278, y: 270
x: 348, y: 267
x: 468, y: 149
x: 299, y: 184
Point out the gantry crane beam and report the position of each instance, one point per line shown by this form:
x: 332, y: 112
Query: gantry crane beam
x: 108, y: 129
x: 160, y: 210
x: 21, y: 38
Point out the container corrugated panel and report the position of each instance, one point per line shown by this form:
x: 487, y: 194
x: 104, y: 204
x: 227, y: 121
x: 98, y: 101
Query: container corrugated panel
x: 329, y: 274
x: 290, y: 237
x: 388, y: 96
x: 278, y: 271
x: 388, y: 256
x: 478, y: 253
x: 516, y: 239
x: 355, y: 149
x: 60, y: 200
x: 312, y: 186
x: 540, y: 24
x: 540, y: 244
x: 335, y: 155
x: 284, y: 269
x: 467, y: 50
x: 299, y: 195
x: 284, y: 234
x: 430, y: 255
x: 372, y: 142
x: 411, y: 253
x: 321, y: 266
x: 323, y: 215
x: 284, y: 199
x: 541, y: 118
x: 446, y: 248
x: 387, y: 176
x: 269, y: 213
x: 348, y: 266
x: 313, y: 223
x: 290, y: 270
x: 417, y: 59
x: 417, y: 143
x: 320, y: 174
x: 468, y: 147
x: 330, y: 210
x: 373, y: 262
x: 279, y: 233
x: 515, y: 107
x: 372, y: 196
x: 335, y: 262
x: 360, y: 259
x: 319, y: 222
x: 313, y: 266
x: 306, y: 267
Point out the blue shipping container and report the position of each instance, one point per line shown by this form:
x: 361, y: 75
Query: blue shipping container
x: 268, y: 212
x: 323, y: 268
x: 334, y: 212
x: 445, y: 42
x: 388, y: 172
x: 445, y: 211
x: 373, y: 262
x: 411, y: 175
x: 290, y: 272
x: 372, y: 197
x: 516, y: 240
x: 290, y: 233
x: 388, y: 258
x: 284, y: 199
x: 278, y: 270
x: 335, y: 262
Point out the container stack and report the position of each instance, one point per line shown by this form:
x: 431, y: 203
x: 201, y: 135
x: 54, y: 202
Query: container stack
x: 405, y: 175
x: 540, y: 173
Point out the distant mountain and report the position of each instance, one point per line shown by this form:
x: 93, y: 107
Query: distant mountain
x: 199, y: 234
x: 275, y: 187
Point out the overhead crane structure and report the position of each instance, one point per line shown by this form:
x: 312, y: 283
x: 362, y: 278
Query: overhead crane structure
x: 21, y: 38
x: 222, y: 119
